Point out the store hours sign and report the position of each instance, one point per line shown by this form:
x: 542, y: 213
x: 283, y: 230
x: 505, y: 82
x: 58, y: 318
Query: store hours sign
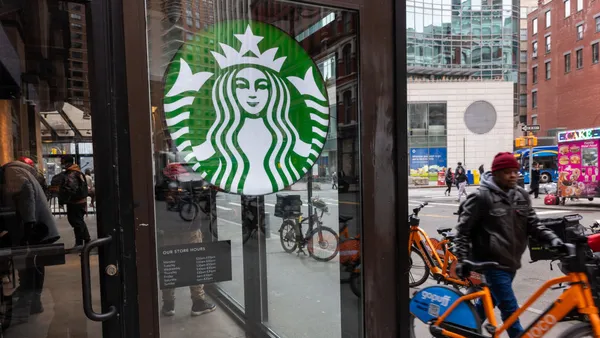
x: 248, y: 105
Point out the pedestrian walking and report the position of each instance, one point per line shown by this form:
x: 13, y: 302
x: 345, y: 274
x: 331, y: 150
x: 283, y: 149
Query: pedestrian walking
x: 74, y: 192
x: 488, y: 230
x: 481, y: 170
x: 534, y: 186
x: 334, y: 181
x: 91, y: 189
x: 449, y: 182
x: 461, y: 181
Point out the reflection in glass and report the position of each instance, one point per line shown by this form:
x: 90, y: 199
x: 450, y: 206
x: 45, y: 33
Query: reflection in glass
x: 454, y: 37
x: 275, y: 277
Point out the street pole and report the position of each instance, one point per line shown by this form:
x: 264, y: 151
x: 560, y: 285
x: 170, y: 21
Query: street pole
x: 530, y: 161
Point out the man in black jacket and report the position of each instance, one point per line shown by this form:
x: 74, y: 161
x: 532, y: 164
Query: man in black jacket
x: 535, y: 180
x: 494, y: 224
x: 74, y: 192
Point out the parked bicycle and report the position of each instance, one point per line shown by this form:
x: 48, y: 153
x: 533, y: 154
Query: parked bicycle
x: 449, y: 313
x: 433, y: 257
x: 317, y: 239
x: 350, y: 256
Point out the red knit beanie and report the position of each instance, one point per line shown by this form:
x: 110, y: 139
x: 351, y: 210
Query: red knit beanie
x: 505, y: 161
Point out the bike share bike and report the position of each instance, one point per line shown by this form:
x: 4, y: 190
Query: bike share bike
x: 450, y: 313
x: 317, y: 240
x: 432, y: 257
x: 350, y: 256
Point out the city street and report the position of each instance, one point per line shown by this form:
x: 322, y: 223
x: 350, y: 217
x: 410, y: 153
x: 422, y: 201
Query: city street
x: 311, y: 290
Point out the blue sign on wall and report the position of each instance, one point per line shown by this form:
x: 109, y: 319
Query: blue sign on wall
x: 431, y: 157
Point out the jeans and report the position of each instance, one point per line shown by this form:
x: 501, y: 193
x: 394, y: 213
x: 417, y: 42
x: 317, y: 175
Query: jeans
x: 503, y: 296
x: 75, y: 214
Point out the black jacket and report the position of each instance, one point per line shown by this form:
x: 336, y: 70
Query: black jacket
x: 460, y: 175
x: 494, y: 225
x: 535, y: 178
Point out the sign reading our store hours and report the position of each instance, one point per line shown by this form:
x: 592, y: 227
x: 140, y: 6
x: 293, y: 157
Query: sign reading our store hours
x: 194, y: 264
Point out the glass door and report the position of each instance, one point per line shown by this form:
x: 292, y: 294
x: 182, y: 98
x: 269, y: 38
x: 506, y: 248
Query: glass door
x: 256, y: 162
x: 60, y: 268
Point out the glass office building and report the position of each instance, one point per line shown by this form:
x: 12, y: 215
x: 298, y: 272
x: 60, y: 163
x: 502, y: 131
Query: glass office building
x: 473, y: 39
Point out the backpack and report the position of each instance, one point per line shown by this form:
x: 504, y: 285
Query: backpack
x: 81, y: 192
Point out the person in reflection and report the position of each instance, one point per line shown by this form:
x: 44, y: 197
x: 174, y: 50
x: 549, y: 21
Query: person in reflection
x: 74, y: 192
x: 91, y: 189
x: 494, y: 225
x: 535, y: 180
x: 334, y: 181
x: 26, y: 220
x: 200, y: 305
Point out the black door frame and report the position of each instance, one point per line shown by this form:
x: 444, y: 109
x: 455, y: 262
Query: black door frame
x: 382, y: 141
x: 110, y: 136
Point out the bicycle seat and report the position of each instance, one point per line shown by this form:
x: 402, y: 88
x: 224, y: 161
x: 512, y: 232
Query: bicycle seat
x: 442, y: 230
x: 345, y: 218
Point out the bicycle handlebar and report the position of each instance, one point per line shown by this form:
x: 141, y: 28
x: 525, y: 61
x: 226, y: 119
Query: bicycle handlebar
x: 418, y: 209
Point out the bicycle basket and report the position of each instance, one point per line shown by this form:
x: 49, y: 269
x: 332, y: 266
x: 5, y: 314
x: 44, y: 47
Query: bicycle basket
x: 287, y: 205
x: 567, y: 228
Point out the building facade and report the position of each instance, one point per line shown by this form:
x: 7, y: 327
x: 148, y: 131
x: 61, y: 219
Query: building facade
x: 563, y: 66
x: 527, y: 6
x: 455, y: 48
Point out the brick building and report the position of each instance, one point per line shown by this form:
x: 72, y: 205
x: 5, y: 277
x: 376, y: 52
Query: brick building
x: 563, y: 66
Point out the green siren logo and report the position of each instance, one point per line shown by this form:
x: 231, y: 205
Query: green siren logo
x: 251, y: 113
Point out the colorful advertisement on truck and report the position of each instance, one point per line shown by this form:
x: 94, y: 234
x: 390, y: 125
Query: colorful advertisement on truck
x: 578, y: 163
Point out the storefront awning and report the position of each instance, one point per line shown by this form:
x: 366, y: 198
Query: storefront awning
x: 10, y: 69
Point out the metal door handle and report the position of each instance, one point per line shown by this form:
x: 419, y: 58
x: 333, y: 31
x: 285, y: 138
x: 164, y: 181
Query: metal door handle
x: 86, y: 284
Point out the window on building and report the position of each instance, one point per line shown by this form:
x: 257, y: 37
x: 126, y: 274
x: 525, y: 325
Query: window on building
x: 523, y: 34
x: 534, y: 121
x: 580, y: 32
x: 595, y: 52
x: 347, y: 22
x: 534, y: 26
x: 534, y: 74
x: 76, y: 26
x: 77, y: 65
x: 533, y: 99
x: 347, y: 106
x: 534, y: 49
x: 567, y: 8
x: 548, y: 44
x: 523, y: 12
x: 548, y: 18
x: 579, y: 55
x: 76, y: 74
x: 77, y: 55
x: 579, y: 5
x: 523, y: 56
x: 77, y: 45
x: 77, y: 93
x: 548, y: 66
x: 567, y: 63
x: 77, y: 36
x: 598, y: 24
x: 75, y: 16
x: 523, y: 78
x: 347, y: 55
x: 523, y: 100
x: 78, y: 84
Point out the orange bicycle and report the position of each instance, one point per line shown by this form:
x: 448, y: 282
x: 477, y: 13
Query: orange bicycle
x: 450, y: 313
x: 436, y: 256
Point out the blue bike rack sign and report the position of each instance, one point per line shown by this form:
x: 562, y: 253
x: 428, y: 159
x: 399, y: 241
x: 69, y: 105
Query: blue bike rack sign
x: 432, y: 302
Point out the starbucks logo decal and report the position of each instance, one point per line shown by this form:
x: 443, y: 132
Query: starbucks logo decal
x: 247, y: 106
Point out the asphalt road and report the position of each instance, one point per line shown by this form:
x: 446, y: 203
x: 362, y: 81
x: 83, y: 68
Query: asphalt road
x: 304, y: 295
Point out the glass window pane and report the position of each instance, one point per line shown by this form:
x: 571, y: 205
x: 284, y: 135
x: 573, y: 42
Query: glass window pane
x: 226, y: 137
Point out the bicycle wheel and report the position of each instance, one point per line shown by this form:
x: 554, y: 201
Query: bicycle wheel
x: 580, y: 330
x: 327, y: 241
x: 356, y: 284
x: 418, y: 267
x: 189, y: 211
x: 287, y: 236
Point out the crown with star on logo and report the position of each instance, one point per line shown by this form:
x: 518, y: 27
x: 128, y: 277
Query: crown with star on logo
x: 232, y: 57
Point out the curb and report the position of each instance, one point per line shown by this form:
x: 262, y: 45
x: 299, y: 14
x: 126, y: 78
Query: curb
x: 577, y: 209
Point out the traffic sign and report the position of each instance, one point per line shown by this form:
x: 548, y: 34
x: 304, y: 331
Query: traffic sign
x: 533, y: 127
